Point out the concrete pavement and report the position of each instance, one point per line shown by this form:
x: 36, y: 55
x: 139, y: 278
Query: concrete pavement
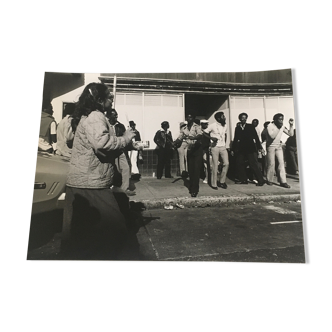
x: 156, y: 193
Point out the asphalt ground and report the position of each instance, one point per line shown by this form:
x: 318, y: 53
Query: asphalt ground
x: 255, y: 232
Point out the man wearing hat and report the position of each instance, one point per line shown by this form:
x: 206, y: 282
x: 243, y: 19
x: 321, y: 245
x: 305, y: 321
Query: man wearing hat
x: 218, y: 134
x: 192, y: 133
x: 182, y: 150
x: 133, y: 153
x: 163, y: 139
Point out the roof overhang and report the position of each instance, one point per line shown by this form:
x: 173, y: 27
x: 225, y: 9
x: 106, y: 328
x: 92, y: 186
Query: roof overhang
x: 153, y: 85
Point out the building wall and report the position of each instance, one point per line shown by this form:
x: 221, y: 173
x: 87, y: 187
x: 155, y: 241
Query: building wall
x: 71, y: 96
x: 149, y: 110
x: 261, y: 108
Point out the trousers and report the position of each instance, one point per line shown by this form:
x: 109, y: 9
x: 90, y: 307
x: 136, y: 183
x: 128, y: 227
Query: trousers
x: 253, y: 163
x: 182, y: 150
x: 124, y: 168
x: 133, y: 159
x: 207, y: 164
x: 216, y: 152
x: 194, y: 169
x: 272, y: 153
x: 164, y: 162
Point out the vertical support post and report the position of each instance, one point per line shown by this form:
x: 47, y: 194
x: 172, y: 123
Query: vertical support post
x: 114, y: 90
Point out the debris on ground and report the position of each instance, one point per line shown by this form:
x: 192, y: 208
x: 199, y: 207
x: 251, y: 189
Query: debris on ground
x: 298, y: 201
x: 168, y: 207
x: 180, y: 206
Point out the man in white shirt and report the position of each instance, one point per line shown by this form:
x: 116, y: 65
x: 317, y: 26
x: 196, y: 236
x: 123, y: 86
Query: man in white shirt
x: 274, y: 149
x: 218, y: 134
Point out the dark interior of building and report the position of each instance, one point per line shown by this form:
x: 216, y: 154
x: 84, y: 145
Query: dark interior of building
x: 204, y: 105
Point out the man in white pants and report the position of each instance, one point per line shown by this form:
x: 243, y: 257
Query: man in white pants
x: 133, y: 153
x: 274, y: 149
x: 218, y: 134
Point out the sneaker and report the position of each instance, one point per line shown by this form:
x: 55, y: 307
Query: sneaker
x: 284, y: 185
x: 205, y: 181
x: 223, y: 185
x: 130, y: 192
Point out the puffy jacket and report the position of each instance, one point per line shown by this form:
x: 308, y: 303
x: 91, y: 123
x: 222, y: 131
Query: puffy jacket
x: 93, y: 153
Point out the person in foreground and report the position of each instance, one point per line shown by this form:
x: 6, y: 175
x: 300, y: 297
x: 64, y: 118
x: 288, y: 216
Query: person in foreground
x: 93, y: 225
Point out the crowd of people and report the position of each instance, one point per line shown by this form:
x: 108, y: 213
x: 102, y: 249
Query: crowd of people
x: 103, y: 156
x: 258, y: 156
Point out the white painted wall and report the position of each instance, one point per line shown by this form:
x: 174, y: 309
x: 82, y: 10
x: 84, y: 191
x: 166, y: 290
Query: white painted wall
x: 71, y: 96
x: 261, y: 109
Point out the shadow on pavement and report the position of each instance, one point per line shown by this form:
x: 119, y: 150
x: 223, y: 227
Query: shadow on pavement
x: 43, y: 227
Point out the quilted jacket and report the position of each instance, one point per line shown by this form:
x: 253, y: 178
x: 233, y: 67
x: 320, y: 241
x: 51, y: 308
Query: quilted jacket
x: 93, y: 153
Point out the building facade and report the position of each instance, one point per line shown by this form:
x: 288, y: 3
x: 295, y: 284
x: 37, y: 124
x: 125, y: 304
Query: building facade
x: 150, y: 98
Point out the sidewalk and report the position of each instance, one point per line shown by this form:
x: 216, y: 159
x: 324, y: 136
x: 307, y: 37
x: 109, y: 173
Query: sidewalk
x: 156, y: 193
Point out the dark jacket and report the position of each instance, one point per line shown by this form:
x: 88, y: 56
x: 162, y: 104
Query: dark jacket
x: 246, y: 140
x: 163, y: 140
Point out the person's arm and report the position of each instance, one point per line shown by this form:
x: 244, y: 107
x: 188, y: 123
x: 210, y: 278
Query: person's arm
x: 157, y: 138
x: 69, y: 135
x: 257, y: 140
x: 99, y: 136
x: 53, y: 135
x: 290, y: 131
x: 235, y: 141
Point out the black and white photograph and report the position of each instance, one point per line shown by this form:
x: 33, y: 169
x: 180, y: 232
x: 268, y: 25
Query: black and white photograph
x: 167, y: 166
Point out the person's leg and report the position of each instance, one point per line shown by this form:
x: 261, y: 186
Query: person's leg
x: 125, y: 171
x: 133, y: 159
x: 191, y: 164
x: 168, y: 157
x: 181, y: 159
x: 292, y: 160
x: 205, y: 156
x: 253, y: 163
x: 197, y: 162
x: 224, y: 157
x: 270, y: 161
x: 240, y: 167
x: 215, y: 159
x: 186, y: 158
x: 281, y: 167
x: 161, y: 162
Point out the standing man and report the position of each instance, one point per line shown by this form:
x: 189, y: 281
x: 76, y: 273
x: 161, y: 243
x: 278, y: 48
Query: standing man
x: 193, y: 133
x: 274, y: 148
x: 133, y: 153
x: 206, y: 152
x: 246, y: 145
x: 122, y: 161
x: 163, y: 139
x: 218, y: 134
x: 255, y: 123
x: 47, y: 132
x: 264, y: 159
x: 182, y: 150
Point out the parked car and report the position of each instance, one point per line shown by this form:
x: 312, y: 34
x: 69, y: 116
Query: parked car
x: 50, y: 182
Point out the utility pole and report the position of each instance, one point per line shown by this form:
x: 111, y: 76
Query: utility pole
x: 114, y: 90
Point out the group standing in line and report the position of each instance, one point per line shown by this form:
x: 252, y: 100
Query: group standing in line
x: 204, y: 145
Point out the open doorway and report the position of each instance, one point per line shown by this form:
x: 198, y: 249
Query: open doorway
x: 204, y: 106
